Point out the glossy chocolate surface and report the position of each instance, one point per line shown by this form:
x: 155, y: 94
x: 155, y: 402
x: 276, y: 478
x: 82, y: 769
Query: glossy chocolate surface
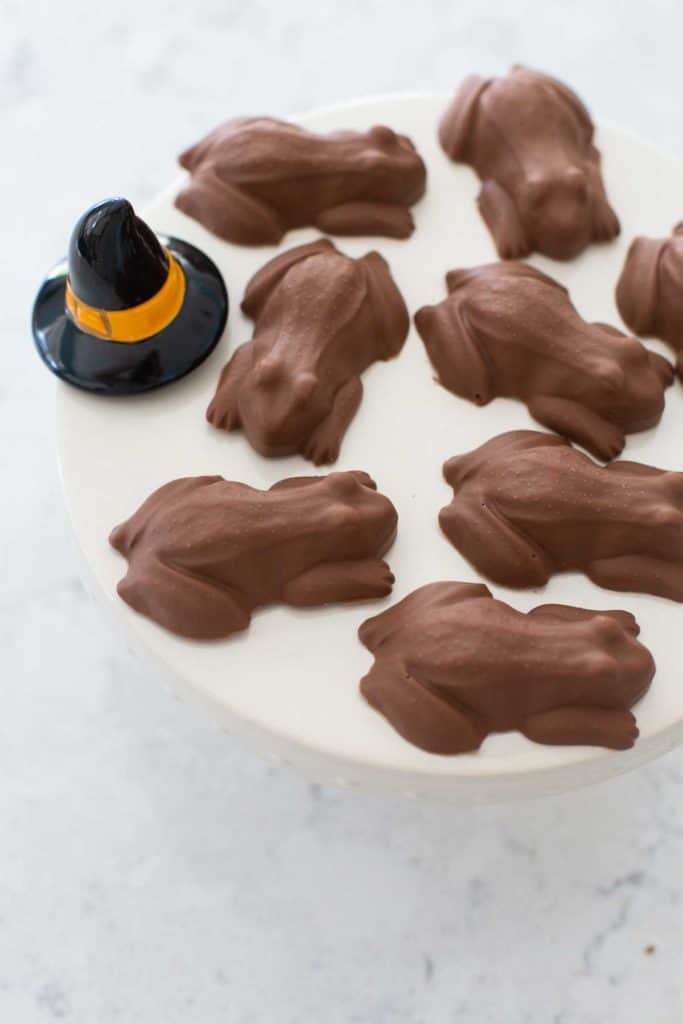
x: 254, y: 179
x: 508, y: 330
x: 527, y: 505
x: 320, y: 319
x: 203, y: 552
x: 452, y: 665
x: 530, y: 140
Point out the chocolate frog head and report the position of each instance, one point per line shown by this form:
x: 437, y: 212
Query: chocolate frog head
x: 278, y: 410
x: 361, y: 520
x: 395, y: 172
x: 629, y: 385
x: 558, y: 213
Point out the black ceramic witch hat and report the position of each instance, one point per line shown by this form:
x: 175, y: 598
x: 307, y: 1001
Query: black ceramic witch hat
x: 128, y: 310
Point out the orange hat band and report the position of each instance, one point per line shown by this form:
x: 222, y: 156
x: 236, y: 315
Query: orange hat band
x: 138, y: 322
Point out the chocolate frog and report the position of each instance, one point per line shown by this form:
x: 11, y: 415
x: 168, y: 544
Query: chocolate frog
x: 452, y: 665
x: 530, y: 140
x: 320, y: 319
x: 254, y: 179
x: 527, y: 505
x: 650, y: 290
x: 203, y: 552
x: 506, y: 329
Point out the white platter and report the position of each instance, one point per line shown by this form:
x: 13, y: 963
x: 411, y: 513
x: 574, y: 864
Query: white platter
x: 292, y: 679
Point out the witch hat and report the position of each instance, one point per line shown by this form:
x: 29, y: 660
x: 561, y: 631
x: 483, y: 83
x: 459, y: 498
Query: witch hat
x: 128, y: 310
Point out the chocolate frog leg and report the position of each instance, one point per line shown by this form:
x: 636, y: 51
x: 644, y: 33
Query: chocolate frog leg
x: 502, y: 219
x: 605, y: 221
x: 456, y: 124
x: 333, y: 582
x: 223, y: 411
x: 602, y: 438
x: 324, y: 443
x: 414, y: 709
x: 124, y: 536
x: 567, y: 613
x: 209, y: 611
x: 228, y: 211
x: 585, y: 726
x: 493, y: 546
x: 305, y: 481
x: 389, y: 219
x: 264, y: 281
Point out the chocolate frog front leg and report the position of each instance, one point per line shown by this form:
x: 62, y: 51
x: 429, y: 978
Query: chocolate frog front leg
x: 421, y: 716
x: 367, y: 218
x: 223, y: 411
x: 605, y: 221
x: 502, y: 219
x: 602, y: 438
x: 333, y: 582
x: 324, y: 443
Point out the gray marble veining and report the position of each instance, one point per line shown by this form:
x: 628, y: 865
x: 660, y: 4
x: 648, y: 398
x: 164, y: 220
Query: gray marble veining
x: 152, y: 869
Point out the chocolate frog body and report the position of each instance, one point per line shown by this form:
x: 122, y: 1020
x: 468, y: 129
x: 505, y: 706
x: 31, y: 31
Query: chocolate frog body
x: 506, y: 329
x: 254, y: 179
x: 320, y: 319
x: 203, y: 552
x: 527, y: 505
x: 453, y: 665
x: 650, y: 290
x: 530, y: 140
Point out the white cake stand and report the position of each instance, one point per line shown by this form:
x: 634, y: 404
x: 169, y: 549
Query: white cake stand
x: 292, y: 680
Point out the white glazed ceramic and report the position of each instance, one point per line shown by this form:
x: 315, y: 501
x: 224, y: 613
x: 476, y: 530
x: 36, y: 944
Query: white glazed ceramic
x: 292, y: 679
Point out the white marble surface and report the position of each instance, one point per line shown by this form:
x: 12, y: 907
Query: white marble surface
x: 151, y: 869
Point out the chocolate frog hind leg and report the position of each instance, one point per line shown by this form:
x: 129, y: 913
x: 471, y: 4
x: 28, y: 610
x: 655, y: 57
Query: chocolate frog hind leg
x: 228, y: 211
x: 419, y: 714
x: 265, y: 280
x: 503, y: 221
x: 333, y: 582
x: 589, y: 726
x: 602, y: 438
x: 568, y: 613
x: 185, y: 604
x: 367, y: 218
x: 456, y: 124
x: 487, y: 540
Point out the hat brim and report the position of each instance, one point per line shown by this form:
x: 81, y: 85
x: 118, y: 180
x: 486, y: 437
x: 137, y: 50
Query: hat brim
x: 123, y: 368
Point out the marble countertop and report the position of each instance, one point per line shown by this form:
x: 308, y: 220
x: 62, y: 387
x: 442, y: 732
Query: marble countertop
x: 151, y: 868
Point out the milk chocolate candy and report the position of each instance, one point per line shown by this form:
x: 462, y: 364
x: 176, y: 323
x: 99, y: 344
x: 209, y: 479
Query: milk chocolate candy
x: 650, y: 290
x: 527, y: 505
x: 506, y: 329
x: 254, y: 179
x: 530, y: 140
x: 452, y: 665
x: 320, y: 319
x: 203, y: 552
